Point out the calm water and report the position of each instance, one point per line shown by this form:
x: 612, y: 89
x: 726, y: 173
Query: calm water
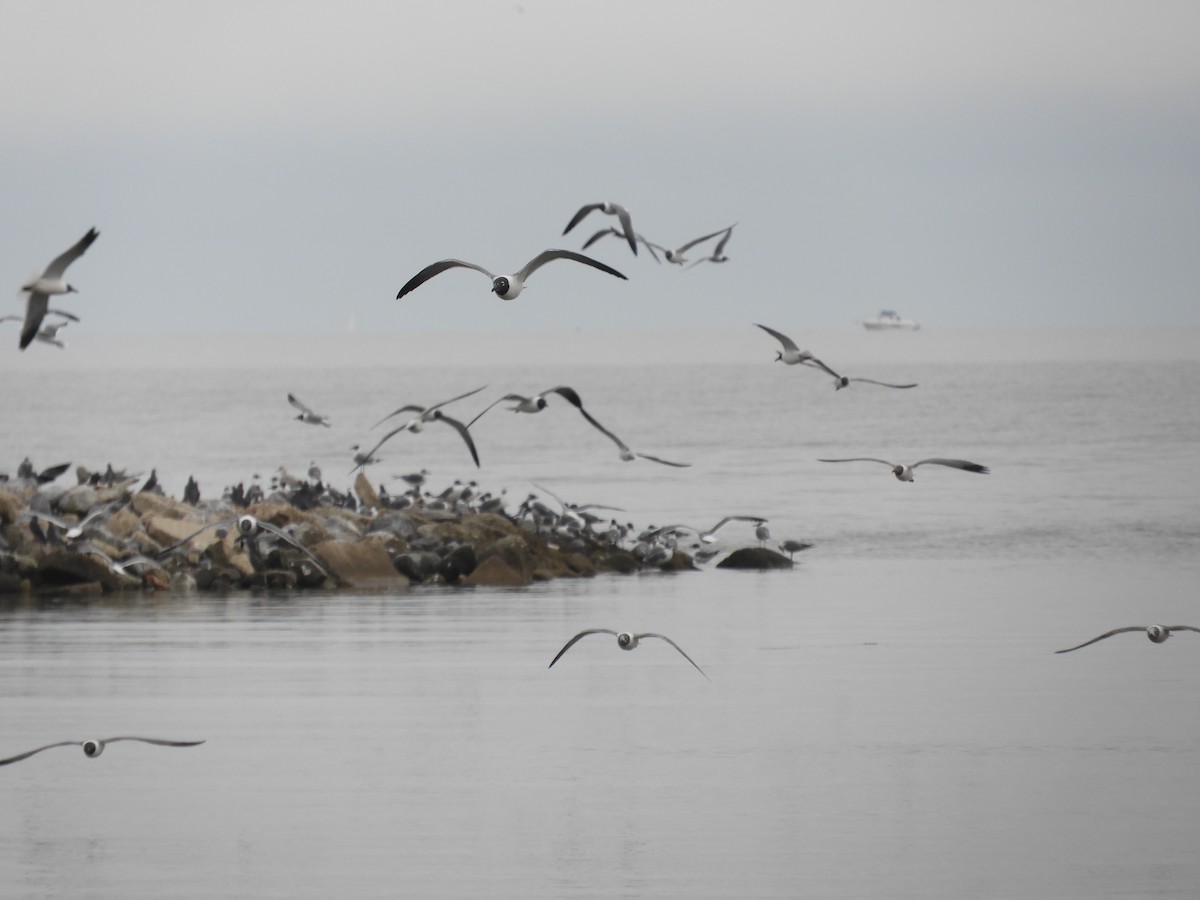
x: 887, y: 720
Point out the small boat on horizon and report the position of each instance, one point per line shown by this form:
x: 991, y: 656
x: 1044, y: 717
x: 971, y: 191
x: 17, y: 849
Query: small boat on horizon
x: 890, y: 320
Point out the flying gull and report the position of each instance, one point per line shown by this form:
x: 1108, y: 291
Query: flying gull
x: 50, y: 282
x: 905, y: 473
x: 426, y: 412
x: 617, y: 232
x: 536, y: 403
x: 626, y: 641
x: 790, y: 354
x: 718, y: 254
x: 610, y: 209
x: 709, y: 536
x: 841, y: 381
x: 677, y: 255
x: 93, y: 748
x: 307, y: 416
x: 506, y: 287
x: 415, y: 425
x: 1156, y: 633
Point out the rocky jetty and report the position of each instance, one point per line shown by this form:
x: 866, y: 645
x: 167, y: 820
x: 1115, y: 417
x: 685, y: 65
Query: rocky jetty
x: 107, y: 533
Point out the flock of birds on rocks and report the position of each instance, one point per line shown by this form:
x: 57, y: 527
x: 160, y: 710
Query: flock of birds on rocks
x: 51, y: 282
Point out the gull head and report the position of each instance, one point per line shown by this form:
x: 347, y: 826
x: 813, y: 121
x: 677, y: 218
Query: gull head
x: 500, y: 285
x: 247, y: 525
x: 1157, y: 633
x: 626, y: 641
x: 93, y: 748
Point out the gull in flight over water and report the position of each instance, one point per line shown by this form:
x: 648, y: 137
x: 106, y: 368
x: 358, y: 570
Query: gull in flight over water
x: 1156, y: 633
x: 611, y: 209
x: 718, y: 254
x: 677, y: 255
x: 506, y: 287
x: 307, y: 416
x: 93, y: 748
x: 841, y: 381
x: 709, y: 536
x: 536, y: 403
x: 50, y: 282
x: 416, y: 425
x: 626, y: 641
x: 905, y: 473
x: 617, y: 232
x: 629, y: 455
x: 790, y: 354
x: 426, y: 412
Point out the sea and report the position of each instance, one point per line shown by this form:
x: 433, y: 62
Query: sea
x: 886, y: 719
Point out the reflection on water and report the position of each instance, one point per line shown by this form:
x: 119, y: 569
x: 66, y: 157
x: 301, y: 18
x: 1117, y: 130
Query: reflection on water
x: 871, y: 729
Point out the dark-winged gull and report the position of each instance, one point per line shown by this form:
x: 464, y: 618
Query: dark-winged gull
x: 426, y: 412
x: 790, y: 354
x: 626, y: 641
x: 677, y: 255
x: 617, y: 232
x: 1156, y: 633
x: 841, y: 381
x: 611, y: 209
x: 506, y: 287
x: 307, y: 416
x: 718, y: 254
x: 93, y: 748
x: 50, y: 282
x: 905, y: 473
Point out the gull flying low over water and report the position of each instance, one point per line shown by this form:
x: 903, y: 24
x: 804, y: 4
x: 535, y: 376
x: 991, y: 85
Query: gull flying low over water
x: 536, y: 403
x: 73, y: 530
x: 611, y: 209
x: 50, y: 282
x: 416, y: 425
x: 790, y: 354
x: 93, y: 748
x: 617, y: 232
x: 905, y: 473
x: 629, y: 455
x: 709, y: 536
x: 626, y: 641
x: 841, y: 381
x: 506, y: 287
x: 1156, y: 633
x: 307, y: 416
x: 718, y: 254
x: 426, y: 412
x: 677, y: 255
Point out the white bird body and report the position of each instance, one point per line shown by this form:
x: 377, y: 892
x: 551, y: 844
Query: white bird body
x: 50, y: 283
x: 790, y: 354
x: 536, y: 403
x: 626, y: 640
x: 506, y: 287
x: 1157, y: 634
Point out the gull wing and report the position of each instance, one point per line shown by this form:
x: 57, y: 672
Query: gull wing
x: 280, y: 533
x: 884, y: 383
x: 35, y: 311
x: 725, y: 240
x: 296, y: 402
x: 436, y: 269
x: 567, y: 393
x: 1106, y: 634
x: 788, y: 343
x: 383, y: 440
x: 462, y: 430
x: 700, y: 240
x: 814, y: 363
x: 571, y: 643
x: 862, y: 459
x: 673, y: 644
x: 599, y: 234
x: 579, y: 216
x: 954, y: 464
x: 59, y: 264
x: 518, y: 397
x: 627, y: 224
x: 550, y: 255
x: 27, y: 754
x: 665, y: 462
x: 1181, y: 628
x: 159, y: 741
x: 729, y: 519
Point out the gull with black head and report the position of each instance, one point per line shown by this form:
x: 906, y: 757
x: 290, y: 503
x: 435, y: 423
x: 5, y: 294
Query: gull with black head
x: 506, y: 287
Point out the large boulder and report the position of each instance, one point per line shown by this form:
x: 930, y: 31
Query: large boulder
x: 363, y: 563
x: 755, y: 558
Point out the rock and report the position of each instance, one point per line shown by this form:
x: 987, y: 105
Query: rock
x: 755, y: 558
x: 10, y: 508
x: 419, y: 566
x: 367, y: 495
x: 495, y: 571
x: 62, y: 567
x: 359, y: 564
x: 679, y: 562
x: 79, y: 499
x: 158, y: 505
x: 458, y: 562
x: 168, y: 531
x: 394, y: 522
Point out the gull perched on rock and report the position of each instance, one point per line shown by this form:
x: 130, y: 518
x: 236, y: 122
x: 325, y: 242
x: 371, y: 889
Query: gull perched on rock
x: 1156, y: 633
x: 307, y: 416
x: 626, y: 641
x: 506, y: 287
x: 905, y: 473
x: 50, y: 282
x: 610, y: 209
x: 93, y: 748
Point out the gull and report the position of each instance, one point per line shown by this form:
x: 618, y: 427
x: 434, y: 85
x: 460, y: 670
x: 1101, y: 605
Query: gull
x: 718, y: 254
x: 50, y: 282
x: 426, y: 412
x: 307, y: 416
x: 93, y: 748
x: 841, y: 381
x: 48, y: 333
x: 763, y: 533
x: 610, y: 209
x: 1156, y: 633
x: 709, y: 536
x: 791, y: 547
x: 415, y: 425
x: 626, y: 641
x: 677, y: 255
x: 905, y: 473
x: 119, y: 567
x: 790, y: 354
x: 616, y: 232
x: 73, y: 530
x: 506, y: 287
x: 628, y: 455
x: 536, y: 403
x: 249, y: 526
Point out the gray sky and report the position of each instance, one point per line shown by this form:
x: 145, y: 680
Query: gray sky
x: 286, y: 167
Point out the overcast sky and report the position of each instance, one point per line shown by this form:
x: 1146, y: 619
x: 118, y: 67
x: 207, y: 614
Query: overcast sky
x: 284, y: 167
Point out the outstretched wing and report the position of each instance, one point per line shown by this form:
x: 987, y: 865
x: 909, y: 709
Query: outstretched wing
x: 569, y: 394
x: 59, y: 264
x: 861, y: 459
x: 627, y: 224
x: 665, y: 462
x: 296, y: 402
x: 159, y: 741
x: 26, y: 755
x: 788, y: 343
x: 462, y: 430
x: 1106, y: 634
x: 571, y: 643
x: 35, y: 311
x: 436, y: 269
x: 579, y: 216
x: 550, y: 255
x: 518, y: 397
x: 673, y: 644
x: 283, y: 535
x: 954, y: 464
x: 700, y: 240
x: 884, y: 383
